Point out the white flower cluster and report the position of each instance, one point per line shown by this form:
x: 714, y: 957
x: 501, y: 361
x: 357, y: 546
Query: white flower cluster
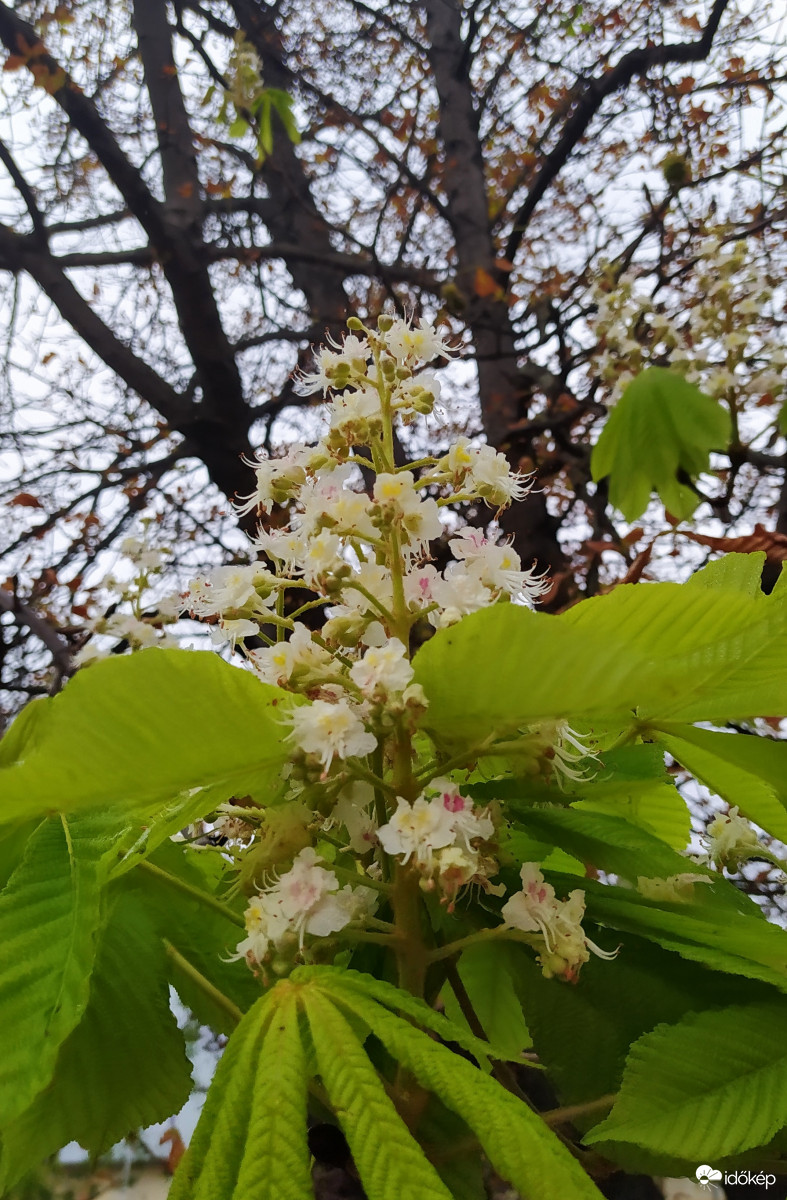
x: 537, y: 910
x: 137, y: 614
x: 442, y: 834
x: 356, y: 545
x: 305, y: 900
x: 359, y: 551
x: 715, y: 329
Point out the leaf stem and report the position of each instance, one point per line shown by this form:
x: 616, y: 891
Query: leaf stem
x: 204, y: 985
x: 195, y: 893
x: 347, y: 875
x: 476, y: 939
x: 562, y: 1116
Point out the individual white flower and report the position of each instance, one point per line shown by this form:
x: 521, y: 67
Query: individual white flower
x: 330, y: 730
x: 491, y: 478
x: 481, y: 471
x: 277, y: 479
x: 676, y: 889
x: 233, y: 630
x: 357, y: 415
x: 416, y: 830
x: 458, y: 593
x: 498, y: 566
x: 536, y: 910
x: 323, y: 560
x: 300, y: 655
x: 263, y: 930
x: 459, y: 459
x: 455, y: 867
x: 383, y: 670
x: 305, y: 900
x: 336, y: 367
x: 287, y: 547
x: 352, y: 810
x: 420, y: 585
x: 229, y: 589
x: 415, y: 343
x: 401, y: 505
x: 731, y: 840
x: 349, y: 516
x: 319, y: 495
x: 467, y: 824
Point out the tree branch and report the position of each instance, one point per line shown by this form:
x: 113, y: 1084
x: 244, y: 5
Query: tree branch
x: 636, y: 62
x: 54, y: 641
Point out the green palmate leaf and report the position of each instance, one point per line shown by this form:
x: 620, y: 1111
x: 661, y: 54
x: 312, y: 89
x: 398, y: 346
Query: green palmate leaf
x: 13, y: 840
x: 485, y: 974
x: 667, y: 651
x: 629, y: 782
x: 661, y: 426
x: 213, y: 1161
x: 711, y: 1086
x: 49, y: 915
x: 582, y: 1034
x: 743, y: 769
x: 712, y: 934
x: 151, y: 726
x: 705, y: 654
x: 204, y: 937
x: 632, y: 782
x: 389, y: 1161
x: 399, y: 1001
x: 607, y: 842
x: 737, y: 572
x: 520, y: 1147
x: 276, y: 1161
x: 124, y: 1066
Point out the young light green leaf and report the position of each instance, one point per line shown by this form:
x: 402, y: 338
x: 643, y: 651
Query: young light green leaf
x: 711, y: 1086
x: 485, y: 974
x: 736, y: 572
x: 607, y: 842
x: 282, y: 103
x: 276, y: 1164
x: 661, y: 426
x: 521, y: 1148
x: 151, y: 725
x: 388, y: 1159
x: 632, y: 782
x: 665, y: 651
x: 399, y: 1001
x: 123, y: 1067
x: 705, y: 654
x: 746, y: 770
x: 202, y: 934
x: 262, y: 1073
x: 49, y: 916
x: 712, y: 934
